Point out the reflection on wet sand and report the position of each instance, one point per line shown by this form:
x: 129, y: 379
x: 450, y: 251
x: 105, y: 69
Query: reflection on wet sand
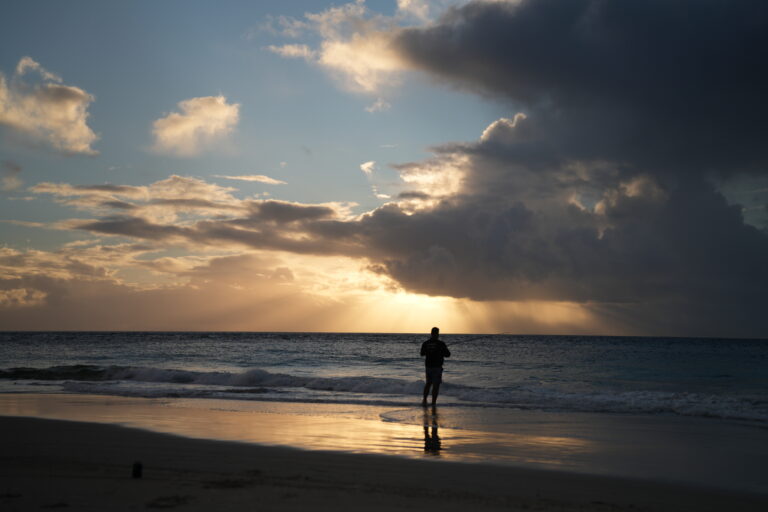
x: 309, y: 426
x: 677, y: 449
x: 432, y: 444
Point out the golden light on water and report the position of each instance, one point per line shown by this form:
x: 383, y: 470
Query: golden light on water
x: 336, y: 427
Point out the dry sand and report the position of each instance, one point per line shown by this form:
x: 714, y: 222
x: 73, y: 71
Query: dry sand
x: 87, y: 466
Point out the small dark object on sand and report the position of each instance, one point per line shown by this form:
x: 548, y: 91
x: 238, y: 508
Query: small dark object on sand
x: 137, y: 469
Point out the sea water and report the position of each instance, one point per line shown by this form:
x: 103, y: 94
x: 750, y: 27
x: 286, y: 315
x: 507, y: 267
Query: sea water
x: 685, y: 377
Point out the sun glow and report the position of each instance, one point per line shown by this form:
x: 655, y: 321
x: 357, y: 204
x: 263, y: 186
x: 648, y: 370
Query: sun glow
x: 404, y: 312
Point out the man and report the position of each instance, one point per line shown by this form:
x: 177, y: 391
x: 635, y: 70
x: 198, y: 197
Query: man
x: 435, y: 350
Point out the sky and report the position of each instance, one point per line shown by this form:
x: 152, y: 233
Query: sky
x: 488, y: 166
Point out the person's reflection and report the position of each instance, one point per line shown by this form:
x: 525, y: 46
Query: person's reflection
x: 431, y: 439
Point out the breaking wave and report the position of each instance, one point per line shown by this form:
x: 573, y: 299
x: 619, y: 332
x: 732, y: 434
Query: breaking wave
x: 257, y: 384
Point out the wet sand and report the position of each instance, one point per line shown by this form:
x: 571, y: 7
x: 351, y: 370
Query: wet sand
x: 88, y: 466
x: 708, y: 453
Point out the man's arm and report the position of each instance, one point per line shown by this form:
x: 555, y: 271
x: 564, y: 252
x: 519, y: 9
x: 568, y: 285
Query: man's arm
x: 423, y: 349
x: 446, y: 352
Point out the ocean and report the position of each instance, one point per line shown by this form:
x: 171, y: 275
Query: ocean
x: 725, y: 379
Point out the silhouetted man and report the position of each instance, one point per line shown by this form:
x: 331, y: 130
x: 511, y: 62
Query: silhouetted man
x: 435, y: 350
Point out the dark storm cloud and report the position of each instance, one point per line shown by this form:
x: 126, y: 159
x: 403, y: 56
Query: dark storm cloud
x: 134, y: 227
x: 413, y: 195
x: 678, y: 85
x: 689, y: 244
x: 282, y: 212
x: 599, y: 191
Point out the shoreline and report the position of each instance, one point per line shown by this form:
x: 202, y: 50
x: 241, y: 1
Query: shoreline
x: 707, y: 454
x: 47, y: 463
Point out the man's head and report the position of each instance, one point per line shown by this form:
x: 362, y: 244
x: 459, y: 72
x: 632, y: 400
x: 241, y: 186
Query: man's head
x: 435, y: 332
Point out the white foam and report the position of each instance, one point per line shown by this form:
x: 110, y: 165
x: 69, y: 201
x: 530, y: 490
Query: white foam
x: 265, y: 385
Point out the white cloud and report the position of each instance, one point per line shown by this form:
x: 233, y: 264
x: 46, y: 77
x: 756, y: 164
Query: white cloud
x: 253, y: 177
x: 356, y: 45
x: 368, y: 168
x: 46, y: 110
x: 202, y: 123
x: 28, y: 64
x: 293, y: 51
x: 378, y: 194
x: 416, y: 8
x: 365, y: 61
x: 505, y: 128
x: 379, y: 105
x: 424, y: 11
x: 278, y: 25
x: 165, y: 200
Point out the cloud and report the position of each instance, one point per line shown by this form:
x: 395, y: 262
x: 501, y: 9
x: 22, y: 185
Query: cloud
x: 191, y: 213
x: 172, y: 199
x: 675, y: 93
x: 416, y: 8
x: 202, y: 123
x: 364, y: 60
x: 293, y: 51
x: 671, y: 87
x: 253, y: 177
x: 368, y: 167
x: 422, y: 11
x: 379, y: 105
x: 10, y: 178
x: 355, y: 46
x: 644, y: 255
x: 85, y: 285
x: 21, y: 297
x: 224, y: 291
x: 84, y: 260
x: 630, y: 253
x: 45, y: 110
x: 28, y: 64
x: 378, y: 194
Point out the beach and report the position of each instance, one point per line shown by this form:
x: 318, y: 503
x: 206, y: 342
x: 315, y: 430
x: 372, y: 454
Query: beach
x: 86, y: 466
x: 204, y: 458
x: 289, y: 421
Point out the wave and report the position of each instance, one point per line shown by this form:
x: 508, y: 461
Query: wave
x: 249, y: 378
x: 257, y: 384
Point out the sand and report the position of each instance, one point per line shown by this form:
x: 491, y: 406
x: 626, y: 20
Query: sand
x: 87, y: 466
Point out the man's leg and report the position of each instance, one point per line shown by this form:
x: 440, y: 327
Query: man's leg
x: 426, y: 391
x: 435, y: 392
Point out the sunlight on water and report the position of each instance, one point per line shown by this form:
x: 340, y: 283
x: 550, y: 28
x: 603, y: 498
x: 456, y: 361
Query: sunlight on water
x: 689, y: 450
x: 305, y: 426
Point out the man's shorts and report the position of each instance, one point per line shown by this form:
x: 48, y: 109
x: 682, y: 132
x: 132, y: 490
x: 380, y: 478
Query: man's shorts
x: 435, y: 375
